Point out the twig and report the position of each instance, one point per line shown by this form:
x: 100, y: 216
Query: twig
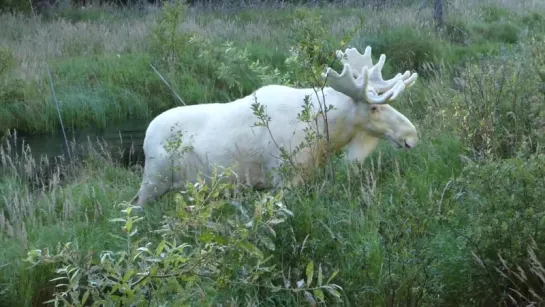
x: 148, y: 275
x: 58, y: 111
x: 168, y: 85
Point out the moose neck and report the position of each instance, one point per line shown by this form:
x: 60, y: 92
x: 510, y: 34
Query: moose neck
x: 347, y: 122
x: 360, y: 147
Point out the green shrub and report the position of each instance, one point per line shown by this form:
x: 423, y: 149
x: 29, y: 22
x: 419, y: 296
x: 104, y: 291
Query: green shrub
x: 217, y: 71
x: 95, y: 91
x: 497, y: 31
x: 499, y: 211
x: 534, y: 20
x: 21, y: 104
x: 15, y: 6
x: 208, y: 246
x: 499, y: 111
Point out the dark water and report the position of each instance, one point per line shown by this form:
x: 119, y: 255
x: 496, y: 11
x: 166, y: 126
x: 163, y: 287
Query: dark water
x: 122, y: 141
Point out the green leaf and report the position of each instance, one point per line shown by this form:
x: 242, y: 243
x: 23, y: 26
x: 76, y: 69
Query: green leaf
x: 253, y: 249
x: 133, y: 232
x: 206, y: 237
x: 128, y: 275
x: 333, y: 292
x: 310, y: 272
x: 332, y: 276
x: 268, y: 243
x: 85, y: 297
x: 128, y: 225
x: 221, y: 239
x: 318, y: 293
x: 160, y: 247
x: 58, y: 278
x: 153, y: 271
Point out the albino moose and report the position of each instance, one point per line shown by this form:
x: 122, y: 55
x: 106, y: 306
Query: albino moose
x: 224, y: 135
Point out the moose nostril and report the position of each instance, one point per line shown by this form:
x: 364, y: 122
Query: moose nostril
x: 407, y: 145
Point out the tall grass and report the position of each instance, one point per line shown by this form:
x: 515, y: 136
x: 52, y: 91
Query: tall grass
x: 100, y: 64
x: 454, y: 222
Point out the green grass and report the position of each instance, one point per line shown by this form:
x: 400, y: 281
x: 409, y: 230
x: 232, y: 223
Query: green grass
x: 425, y: 227
x: 100, y: 58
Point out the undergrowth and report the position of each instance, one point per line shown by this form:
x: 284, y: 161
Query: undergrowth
x: 455, y: 221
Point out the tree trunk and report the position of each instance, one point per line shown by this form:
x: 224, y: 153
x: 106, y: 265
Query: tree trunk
x: 438, y: 13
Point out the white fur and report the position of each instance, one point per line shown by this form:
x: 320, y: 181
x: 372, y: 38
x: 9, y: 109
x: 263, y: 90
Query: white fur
x: 224, y: 135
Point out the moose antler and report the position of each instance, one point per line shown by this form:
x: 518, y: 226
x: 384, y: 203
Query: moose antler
x: 361, y: 89
x: 357, y: 61
x: 369, y: 83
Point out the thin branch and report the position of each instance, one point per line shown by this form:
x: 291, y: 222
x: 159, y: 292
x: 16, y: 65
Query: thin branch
x: 167, y: 84
x: 177, y: 274
x: 58, y: 111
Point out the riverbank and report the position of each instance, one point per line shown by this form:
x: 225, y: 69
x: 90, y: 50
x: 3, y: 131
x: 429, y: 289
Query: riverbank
x: 100, y: 58
x: 425, y: 227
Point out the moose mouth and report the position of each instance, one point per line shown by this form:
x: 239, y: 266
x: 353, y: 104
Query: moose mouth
x: 397, y: 144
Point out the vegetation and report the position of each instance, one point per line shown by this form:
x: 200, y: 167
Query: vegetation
x: 455, y: 222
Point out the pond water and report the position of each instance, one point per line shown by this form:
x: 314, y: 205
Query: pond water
x: 123, y: 142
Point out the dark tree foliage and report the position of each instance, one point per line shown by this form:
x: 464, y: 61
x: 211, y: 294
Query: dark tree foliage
x: 28, y: 5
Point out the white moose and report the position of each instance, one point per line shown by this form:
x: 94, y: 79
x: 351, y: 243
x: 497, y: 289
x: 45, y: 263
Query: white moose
x: 224, y: 135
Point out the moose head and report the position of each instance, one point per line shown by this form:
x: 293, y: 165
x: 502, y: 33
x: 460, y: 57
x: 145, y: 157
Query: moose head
x: 363, y: 82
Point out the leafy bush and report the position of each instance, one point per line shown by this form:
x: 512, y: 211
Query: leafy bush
x: 498, y: 31
x: 499, y: 211
x: 15, y: 6
x: 499, y: 110
x: 221, y: 71
x: 207, y: 246
x: 534, y: 20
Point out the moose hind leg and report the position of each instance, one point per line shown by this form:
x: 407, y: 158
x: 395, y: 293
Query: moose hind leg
x: 150, y: 191
x: 156, y: 182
